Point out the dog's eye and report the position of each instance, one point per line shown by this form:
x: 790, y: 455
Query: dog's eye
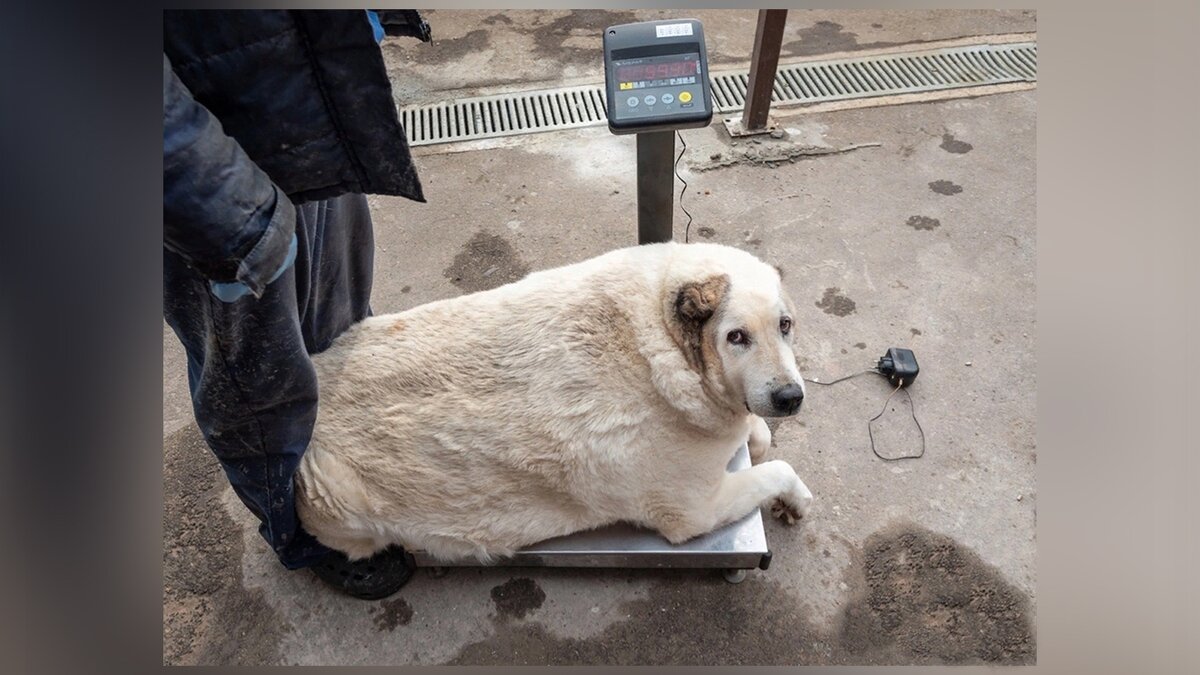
x: 738, y: 337
x: 785, y: 325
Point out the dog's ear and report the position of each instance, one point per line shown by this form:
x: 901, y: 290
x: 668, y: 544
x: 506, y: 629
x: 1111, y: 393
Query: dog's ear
x: 696, y: 301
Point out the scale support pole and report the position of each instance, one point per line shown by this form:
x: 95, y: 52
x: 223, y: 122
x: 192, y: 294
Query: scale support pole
x: 768, y: 39
x: 655, y: 183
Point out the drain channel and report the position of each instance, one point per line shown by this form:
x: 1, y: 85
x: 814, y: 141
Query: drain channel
x: 504, y: 115
x: 801, y: 83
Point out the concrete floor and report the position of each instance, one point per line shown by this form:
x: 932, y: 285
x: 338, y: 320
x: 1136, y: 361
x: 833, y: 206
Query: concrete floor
x: 927, y: 241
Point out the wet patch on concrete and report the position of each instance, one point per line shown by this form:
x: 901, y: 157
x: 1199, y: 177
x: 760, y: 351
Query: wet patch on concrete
x: 915, y: 331
x: 442, y: 50
x: 824, y: 37
x: 917, y: 598
x: 204, y: 601
x: 553, y: 40
x: 498, y: 18
x: 687, y: 618
x: 945, y: 187
x: 952, y: 144
x: 923, y: 598
x: 406, y: 289
x: 860, y: 345
x: 485, y: 262
x: 391, y: 614
x: 517, y: 597
x: 833, y: 302
x: 923, y: 223
x: 706, y: 232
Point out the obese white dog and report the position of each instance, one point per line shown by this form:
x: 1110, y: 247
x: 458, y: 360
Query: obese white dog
x: 615, y: 389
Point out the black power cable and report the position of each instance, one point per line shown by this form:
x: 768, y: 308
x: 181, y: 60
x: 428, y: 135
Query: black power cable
x: 912, y: 407
x: 842, y: 379
x: 687, y: 230
x: 870, y: 433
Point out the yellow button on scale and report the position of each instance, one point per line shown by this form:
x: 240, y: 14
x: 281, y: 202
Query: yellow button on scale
x: 685, y: 97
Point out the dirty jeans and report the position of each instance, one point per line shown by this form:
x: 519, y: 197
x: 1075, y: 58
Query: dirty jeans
x: 253, y: 387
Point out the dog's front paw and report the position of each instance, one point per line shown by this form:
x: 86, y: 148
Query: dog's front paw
x: 785, y: 512
x: 794, y: 506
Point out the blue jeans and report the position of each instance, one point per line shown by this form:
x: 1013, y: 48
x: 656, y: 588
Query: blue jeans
x: 253, y: 387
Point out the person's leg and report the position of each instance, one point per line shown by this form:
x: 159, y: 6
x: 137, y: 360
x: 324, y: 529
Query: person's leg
x: 333, y: 288
x: 254, y: 390
x: 254, y: 393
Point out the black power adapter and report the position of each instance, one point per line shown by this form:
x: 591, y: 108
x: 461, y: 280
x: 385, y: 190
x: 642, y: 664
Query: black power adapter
x: 899, y: 366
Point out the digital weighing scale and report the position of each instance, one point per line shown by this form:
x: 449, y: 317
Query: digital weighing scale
x: 656, y: 83
x: 656, y: 76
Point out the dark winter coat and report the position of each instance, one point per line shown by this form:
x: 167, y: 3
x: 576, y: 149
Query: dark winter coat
x: 264, y: 109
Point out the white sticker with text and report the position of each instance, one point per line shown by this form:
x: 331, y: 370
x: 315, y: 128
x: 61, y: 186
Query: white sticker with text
x: 673, y: 29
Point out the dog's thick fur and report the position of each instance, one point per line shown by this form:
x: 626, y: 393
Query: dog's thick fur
x: 599, y: 392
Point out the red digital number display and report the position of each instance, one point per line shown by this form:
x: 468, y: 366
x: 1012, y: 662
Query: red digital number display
x: 656, y: 71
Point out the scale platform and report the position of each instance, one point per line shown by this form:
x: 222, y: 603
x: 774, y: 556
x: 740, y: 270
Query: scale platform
x: 738, y: 546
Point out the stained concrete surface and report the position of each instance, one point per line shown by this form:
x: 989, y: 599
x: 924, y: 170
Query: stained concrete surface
x: 476, y: 51
x: 930, y: 560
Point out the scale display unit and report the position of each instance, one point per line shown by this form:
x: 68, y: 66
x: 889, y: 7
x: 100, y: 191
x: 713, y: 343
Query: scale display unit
x: 656, y: 77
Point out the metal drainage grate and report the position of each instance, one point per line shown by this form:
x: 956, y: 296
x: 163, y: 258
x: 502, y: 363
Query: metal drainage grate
x: 886, y: 75
x: 795, y: 84
x: 505, y: 115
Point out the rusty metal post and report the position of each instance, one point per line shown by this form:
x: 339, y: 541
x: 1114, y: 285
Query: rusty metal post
x: 768, y: 40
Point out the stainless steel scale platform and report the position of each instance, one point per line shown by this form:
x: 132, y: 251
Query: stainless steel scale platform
x: 737, y: 547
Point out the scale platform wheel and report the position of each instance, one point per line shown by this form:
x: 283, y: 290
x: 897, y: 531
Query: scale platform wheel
x: 734, y: 576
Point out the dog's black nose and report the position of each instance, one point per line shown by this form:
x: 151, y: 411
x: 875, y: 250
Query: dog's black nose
x: 787, y: 399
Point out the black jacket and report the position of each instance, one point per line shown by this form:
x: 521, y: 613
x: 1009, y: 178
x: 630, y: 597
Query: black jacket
x: 263, y: 109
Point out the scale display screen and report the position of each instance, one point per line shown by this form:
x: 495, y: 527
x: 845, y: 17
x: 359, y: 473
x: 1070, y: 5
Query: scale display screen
x: 656, y: 76
x: 657, y: 71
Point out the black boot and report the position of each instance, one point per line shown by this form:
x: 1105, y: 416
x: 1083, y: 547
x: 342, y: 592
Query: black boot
x: 370, y: 578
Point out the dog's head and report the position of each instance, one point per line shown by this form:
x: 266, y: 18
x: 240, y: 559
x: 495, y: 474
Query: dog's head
x: 735, y: 324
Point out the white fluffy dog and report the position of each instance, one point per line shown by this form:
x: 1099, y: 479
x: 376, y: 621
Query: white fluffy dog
x: 615, y: 389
